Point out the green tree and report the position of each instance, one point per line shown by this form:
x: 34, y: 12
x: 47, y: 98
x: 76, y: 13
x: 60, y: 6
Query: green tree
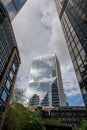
x: 13, y: 116
x: 17, y: 96
x: 31, y: 121
x: 19, y: 118
x: 83, y: 125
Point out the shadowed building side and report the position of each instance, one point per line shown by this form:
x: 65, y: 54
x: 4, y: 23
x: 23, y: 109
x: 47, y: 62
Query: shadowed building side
x: 73, y: 17
x: 13, y: 7
x: 9, y: 61
x: 34, y: 100
x: 45, y: 101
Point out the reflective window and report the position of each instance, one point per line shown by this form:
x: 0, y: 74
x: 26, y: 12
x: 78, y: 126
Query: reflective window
x: 76, y: 39
x: 73, y: 44
x: 79, y: 61
x: 70, y: 49
x: 72, y: 56
x: 79, y: 46
x: 11, y: 75
x: 71, y: 29
x: 85, y: 98
x: 4, y: 96
x: 73, y: 33
x: 75, y: 65
x: 83, y: 71
x: 75, y: 51
x: 14, y: 68
x: 79, y: 77
x: 8, y: 84
x: 70, y: 38
x: 83, y: 55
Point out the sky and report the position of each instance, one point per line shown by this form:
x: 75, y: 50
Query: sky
x: 38, y: 31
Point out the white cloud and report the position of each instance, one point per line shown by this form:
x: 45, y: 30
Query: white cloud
x: 37, y: 72
x: 72, y: 93
x: 38, y: 31
x: 31, y: 81
x: 47, y: 80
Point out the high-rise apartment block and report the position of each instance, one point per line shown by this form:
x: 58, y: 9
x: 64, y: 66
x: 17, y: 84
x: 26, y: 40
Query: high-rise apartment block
x: 46, y: 81
x: 13, y: 6
x: 73, y: 17
x: 9, y: 61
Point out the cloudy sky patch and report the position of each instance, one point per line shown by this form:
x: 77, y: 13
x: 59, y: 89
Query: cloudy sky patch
x: 38, y: 31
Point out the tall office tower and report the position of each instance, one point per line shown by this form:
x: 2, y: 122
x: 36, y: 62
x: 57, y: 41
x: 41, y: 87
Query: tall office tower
x: 9, y: 61
x: 45, y: 101
x: 45, y: 80
x: 18, y: 4
x: 13, y: 6
x: 34, y: 100
x: 73, y: 17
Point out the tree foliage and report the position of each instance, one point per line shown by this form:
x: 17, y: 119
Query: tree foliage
x: 83, y: 125
x: 19, y: 118
x: 18, y: 96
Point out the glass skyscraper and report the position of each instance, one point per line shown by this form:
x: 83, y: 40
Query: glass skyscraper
x: 34, y: 100
x: 13, y: 6
x: 18, y: 4
x: 73, y: 17
x: 9, y: 61
x: 45, y: 80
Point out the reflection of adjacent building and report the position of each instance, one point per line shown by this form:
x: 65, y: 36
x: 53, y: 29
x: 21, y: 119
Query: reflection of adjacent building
x: 34, y: 100
x: 73, y: 17
x: 13, y: 6
x: 18, y: 4
x: 9, y: 61
x: 45, y: 80
x: 45, y: 101
x: 70, y: 116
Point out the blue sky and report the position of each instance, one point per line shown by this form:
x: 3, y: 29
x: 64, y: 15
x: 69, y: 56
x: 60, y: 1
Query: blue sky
x: 38, y: 31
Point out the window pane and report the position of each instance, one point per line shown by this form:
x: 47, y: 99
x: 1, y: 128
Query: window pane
x: 13, y: 66
x: 8, y: 84
x: 1, y: 109
x: 4, y: 96
x: 79, y: 61
x: 11, y: 75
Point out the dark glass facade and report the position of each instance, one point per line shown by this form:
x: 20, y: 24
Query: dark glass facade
x: 18, y: 4
x: 13, y: 7
x: 73, y: 17
x: 55, y: 94
x: 45, y: 101
x: 34, y: 100
x: 9, y: 61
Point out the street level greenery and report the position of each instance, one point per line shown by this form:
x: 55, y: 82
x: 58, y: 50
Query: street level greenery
x: 19, y: 118
x: 53, y: 122
x: 83, y: 125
